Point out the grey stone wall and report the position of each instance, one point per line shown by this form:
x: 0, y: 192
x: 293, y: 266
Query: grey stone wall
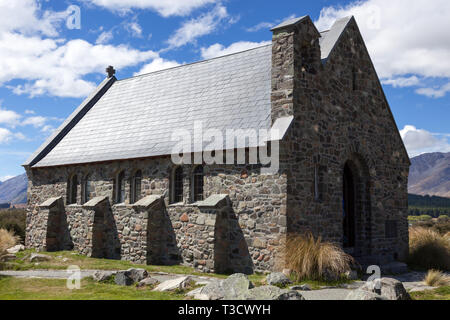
x: 243, y: 236
x: 336, y: 121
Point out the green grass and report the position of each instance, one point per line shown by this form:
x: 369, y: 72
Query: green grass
x: 442, y: 293
x: 52, y: 289
x: 86, y: 263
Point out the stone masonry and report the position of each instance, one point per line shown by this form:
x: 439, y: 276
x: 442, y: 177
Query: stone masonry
x: 341, y: 119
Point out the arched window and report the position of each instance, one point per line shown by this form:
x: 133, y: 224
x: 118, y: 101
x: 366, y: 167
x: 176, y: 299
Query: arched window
x: 87, y: 189
x: 177, y: 185
x: 135, y: 194
x: 197, y: 180
x: 72, y: 189
x: 120, y: 187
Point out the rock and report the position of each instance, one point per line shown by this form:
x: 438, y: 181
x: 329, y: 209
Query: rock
x: 137, y: 274
x: 360, y: 294
x: 277, y: 278
x: 235, y: 287
x: 8, y: 257
x: 65, y: 259
x: 147, y: 282
x: 101, y: 276
x: 123, y: 278
x: 16, y: 249
x: 272, y: 293
x: 303, y: 287
x: 352, y: 275
x: 390, y: 288
x: 36, y: 257
x: 178, y: 283
x: 287, y: 272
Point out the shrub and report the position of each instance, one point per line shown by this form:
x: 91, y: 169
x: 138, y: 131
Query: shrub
x: 7, y: 240
x: 428, y: 249
x: 14, y: 220
x: 436, y: 278
x: 313, y: 259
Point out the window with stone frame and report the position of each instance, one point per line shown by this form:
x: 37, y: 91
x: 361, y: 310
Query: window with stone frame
x: 197, y: 184
x: 87, y: 189
x: 120, y: 187
x: 72, y: 189
x: 177, y: 185
x: 136, y: 183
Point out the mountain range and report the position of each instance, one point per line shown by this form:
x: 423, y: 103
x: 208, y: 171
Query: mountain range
x: 429, y: 175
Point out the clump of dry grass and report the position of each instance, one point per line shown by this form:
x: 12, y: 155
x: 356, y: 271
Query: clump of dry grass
x: 7, y: 240
x: 314, y: 259
x: 436, y: 278
x: 428, y: 249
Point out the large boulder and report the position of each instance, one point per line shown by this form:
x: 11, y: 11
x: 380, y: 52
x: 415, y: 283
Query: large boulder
x: 101, y: 276
x: 364, y: 295
x: 272, y: 293
x: 390, y: 288
x: 137, y: 274
x: 147, y: 282
x: 178, y: 283
x: 16, y: 249
x: 123, y: 278
x: 235, y: 287
x: 277, y: 279
x: 37, y: 257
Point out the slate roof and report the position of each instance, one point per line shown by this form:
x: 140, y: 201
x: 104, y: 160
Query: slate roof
x: 135, y: 117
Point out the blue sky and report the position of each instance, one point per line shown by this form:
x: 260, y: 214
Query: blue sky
x: 48, y: 65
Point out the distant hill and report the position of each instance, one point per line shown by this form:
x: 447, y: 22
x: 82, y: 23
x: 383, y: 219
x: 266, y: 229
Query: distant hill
x: 430, y: 175
x: 14, y: 190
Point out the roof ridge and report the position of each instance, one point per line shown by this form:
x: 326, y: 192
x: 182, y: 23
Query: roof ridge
x: 195, y: 62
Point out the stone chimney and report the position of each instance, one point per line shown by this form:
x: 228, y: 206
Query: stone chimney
x: 295, y: 53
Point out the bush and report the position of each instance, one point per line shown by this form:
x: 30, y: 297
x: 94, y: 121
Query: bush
x: 428, y: 249
x: 7, y: 240
x: 313, y: 259
x: 436, y: 278
x: 14, y: 220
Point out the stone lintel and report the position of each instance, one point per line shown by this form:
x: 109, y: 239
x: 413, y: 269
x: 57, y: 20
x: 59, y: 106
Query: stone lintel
x: 214, y: 201
x: 94, y: 202
x: 147, y: 202
x: 50, y: 202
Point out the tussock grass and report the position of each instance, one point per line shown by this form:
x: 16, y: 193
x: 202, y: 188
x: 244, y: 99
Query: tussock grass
x: 428, y: 249
x: 436, y: 278
x: 314, y: 259
x: 7, y: 240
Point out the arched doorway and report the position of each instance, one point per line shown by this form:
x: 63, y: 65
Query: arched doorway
x: 356, y: 209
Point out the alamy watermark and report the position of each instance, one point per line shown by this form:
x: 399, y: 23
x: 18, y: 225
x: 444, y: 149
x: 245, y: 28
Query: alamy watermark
x: 74, y: 279
x: 253, y: 146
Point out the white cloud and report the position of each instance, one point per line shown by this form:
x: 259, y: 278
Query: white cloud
x: 194, y: 28
x: 404, y: 37
x: 418, y: 141
x: 37, y: 121
x: 5, y: 135
x: 51, y: 66
x: 9, y: 118
x: 134, y: 28
x: 217, y: 50
x: 268, y: 25
x: 165, y: 8
x: 434, y: 92
x: 30, y: 112
x: 104, y: 37
x: 156, y: 65
x: 402, y: 82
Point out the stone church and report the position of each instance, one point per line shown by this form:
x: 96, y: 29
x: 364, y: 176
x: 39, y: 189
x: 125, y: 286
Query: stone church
x: 105, y: 183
